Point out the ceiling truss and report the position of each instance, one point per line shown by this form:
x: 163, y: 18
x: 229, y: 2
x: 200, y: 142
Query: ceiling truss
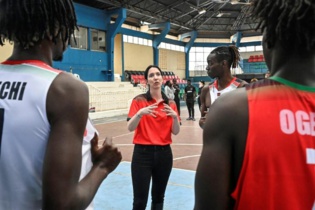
x: 220, y: 18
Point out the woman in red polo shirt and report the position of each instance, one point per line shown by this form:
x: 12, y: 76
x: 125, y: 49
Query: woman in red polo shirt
x: 154, y: 118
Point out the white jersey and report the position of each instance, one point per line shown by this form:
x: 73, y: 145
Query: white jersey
x: 215, y: 93
x: 87, y: 164
x: 24, y: 130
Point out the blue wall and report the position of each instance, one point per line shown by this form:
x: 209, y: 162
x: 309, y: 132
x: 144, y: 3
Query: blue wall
x: 90, y: 65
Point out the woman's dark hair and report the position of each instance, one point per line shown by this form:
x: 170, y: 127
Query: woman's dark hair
x: 149, y: 97
x: 147, y: 70
x: 29, y: 21
x: 228, y: 53
x: 291, y: 22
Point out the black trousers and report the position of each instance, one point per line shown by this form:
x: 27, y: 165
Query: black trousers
x: 190, y: 106
x: 150, y: 162
x: 199, y: 103
x: 176, y: 99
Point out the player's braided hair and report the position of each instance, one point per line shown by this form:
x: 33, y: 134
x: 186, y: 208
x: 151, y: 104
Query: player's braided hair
x: 29, y: 21
x: 291, y: 22
x: 228, y: 53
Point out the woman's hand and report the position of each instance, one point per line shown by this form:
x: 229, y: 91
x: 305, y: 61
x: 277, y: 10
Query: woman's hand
x: 149, y: 110
x: 169, y: 111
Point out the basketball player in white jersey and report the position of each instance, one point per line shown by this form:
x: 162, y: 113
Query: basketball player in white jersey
x: 43, y: 113
x: 220, y: 61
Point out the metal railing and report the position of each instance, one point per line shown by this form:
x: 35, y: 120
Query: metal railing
x: 104, y: 98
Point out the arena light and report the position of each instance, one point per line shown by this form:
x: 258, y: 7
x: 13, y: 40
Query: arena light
x: 220, y: 14
x: 202, y: 11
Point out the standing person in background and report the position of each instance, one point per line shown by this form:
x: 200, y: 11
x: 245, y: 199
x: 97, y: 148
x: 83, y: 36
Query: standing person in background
x: 154, y: 119
x: 169, y: 90
x: 220, y: 61
x: 201, y: 85
x: 267, y: 159
x: 43, y: 113
x: 176, y: 95
x: 190, y: 97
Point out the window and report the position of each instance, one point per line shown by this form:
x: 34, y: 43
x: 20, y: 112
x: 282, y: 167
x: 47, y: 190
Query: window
x: 98, y: 40
x: 141, y: 41
x: 81, y: 39
x: 198, y: 60
x: 192, y: 57
x: 242, y: 49
x: 145, y: 41
x: 125, y: 38
x: 135, y: 40
x: 250, y: 48
x: 150, y: 43
x: 208, y: 50
x: 199, y: 49
x: 201, y: 56
x: 130, y: 39
x: 173, y: 47
x: 259, y: 48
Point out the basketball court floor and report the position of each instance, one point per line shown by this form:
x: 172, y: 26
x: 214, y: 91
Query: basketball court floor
x: 116, y: 193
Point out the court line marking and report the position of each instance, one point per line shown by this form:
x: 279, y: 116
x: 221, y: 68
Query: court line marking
x: 126, y: 134
x: 184, y: 157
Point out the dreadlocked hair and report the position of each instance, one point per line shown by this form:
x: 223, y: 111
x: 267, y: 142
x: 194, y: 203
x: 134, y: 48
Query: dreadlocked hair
x: 291, y: 22
x: 26, y: 22
x: 228, y: 53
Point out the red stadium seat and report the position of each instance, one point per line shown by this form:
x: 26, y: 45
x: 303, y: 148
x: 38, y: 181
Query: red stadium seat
x: 250, y: 59
x: 261, y: 58
x: 256, y: 57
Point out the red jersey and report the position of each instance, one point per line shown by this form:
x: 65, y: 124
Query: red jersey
x: 152, y: 130
x: 278, y: 170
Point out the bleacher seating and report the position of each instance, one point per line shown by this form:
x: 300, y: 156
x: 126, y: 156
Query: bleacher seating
x: 137, y: 77
x: 254, y: 64
x: 254, y: 67
x: 256, y: 58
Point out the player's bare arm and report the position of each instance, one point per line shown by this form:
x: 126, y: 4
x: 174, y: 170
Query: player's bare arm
x: 223, y: 143
x: 203, y: 108
x: 67, y: 108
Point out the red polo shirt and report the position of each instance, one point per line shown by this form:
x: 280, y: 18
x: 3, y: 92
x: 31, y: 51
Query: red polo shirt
x: 152, y: 130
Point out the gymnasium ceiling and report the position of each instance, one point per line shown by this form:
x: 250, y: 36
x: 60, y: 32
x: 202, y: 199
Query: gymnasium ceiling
x: 221, y: 18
